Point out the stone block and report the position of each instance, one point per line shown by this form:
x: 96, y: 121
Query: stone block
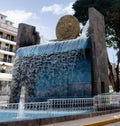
x: 100, y: 81
x: 27, y: 35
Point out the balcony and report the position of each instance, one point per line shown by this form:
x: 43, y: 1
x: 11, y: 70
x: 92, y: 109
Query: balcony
x: 9, y: 41
x: 5, y: 72
x: 6, y: 49
x: 5, y: 76
x: 8, y: 27
x: 6, y: 60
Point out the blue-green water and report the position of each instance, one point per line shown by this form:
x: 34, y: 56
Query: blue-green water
x: 6, y: 116
x: 55, y: 70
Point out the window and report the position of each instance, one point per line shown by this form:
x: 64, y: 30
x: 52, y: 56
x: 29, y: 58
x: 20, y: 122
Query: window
x: 1, y: 34
x: 0, y: 85
x: 8, y: 37
x: 6, y: 47
x: 9, y: 59
x: 11, y: 48
x: 1, y: 17
x: 0, y: 45
x: 5, y: 58
x: 12, y: 38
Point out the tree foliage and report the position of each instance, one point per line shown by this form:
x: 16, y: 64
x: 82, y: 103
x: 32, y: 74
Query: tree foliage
x: 111, y: 11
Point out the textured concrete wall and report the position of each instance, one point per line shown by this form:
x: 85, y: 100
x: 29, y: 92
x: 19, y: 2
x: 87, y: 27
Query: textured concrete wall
x: 100, y: 81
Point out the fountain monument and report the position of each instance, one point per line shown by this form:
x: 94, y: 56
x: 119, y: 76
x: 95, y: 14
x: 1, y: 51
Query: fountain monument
x: 61, y: 69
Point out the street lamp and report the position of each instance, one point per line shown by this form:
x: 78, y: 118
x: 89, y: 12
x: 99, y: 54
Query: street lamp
x: 3, y: 68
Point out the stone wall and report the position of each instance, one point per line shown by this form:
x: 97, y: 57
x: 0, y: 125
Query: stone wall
x: 27, y: 35
x: 100, y: 81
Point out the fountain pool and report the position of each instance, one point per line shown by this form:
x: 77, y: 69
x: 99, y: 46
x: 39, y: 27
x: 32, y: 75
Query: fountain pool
x: 10, y: 116
x: 41, y: 110
x: 60, y: 78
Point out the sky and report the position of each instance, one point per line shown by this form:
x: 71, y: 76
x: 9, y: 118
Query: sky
x: 43, y: 14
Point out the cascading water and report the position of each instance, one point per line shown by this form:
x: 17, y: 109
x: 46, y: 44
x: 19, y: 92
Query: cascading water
x: 54, y: 70
x: 85, y: 31
x: 21, y: 103
x: 62, y: 73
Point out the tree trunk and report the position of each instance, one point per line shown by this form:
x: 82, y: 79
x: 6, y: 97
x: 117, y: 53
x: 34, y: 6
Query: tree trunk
x: 111, y: 75
x: 117, y: 76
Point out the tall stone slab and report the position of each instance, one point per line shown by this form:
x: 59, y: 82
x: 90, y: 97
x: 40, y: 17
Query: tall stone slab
x: 27, y: 35
x: 100, y: 81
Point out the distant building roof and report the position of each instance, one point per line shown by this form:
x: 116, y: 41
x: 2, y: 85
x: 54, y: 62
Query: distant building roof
x: 3, y: 15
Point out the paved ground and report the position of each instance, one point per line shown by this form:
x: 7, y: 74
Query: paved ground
x: 90, y: 121
x: 113, y: 124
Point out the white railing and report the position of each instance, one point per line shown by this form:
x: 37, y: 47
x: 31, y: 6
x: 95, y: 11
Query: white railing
x: 107, y: 102
x: 9, y: 106
x: 42, y: 106
x: 68, y: 104
x: 9, y: 27
x: 98, y: 103
x: 71, y: 104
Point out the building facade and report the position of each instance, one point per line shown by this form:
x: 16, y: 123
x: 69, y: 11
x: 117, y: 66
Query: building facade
x: 8, y: 35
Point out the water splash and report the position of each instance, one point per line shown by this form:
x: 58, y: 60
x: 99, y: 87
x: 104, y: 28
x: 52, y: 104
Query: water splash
x: 21, y: 103
x: 85, y: 31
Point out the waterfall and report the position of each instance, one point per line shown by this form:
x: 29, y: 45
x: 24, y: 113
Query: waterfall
x: 53, y: 47
x: 55, y: 69
x: 85, y: 31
